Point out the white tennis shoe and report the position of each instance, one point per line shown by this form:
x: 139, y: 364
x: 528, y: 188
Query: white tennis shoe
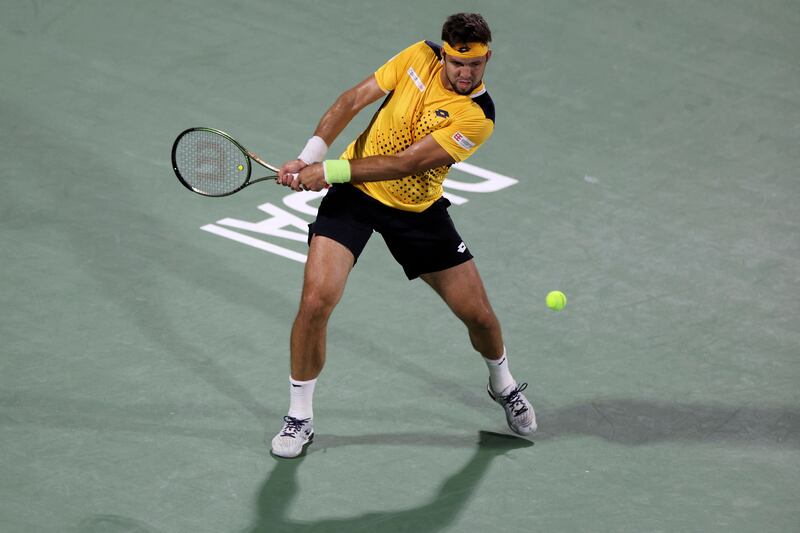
x: 519, y: 411
x: 296, y: 433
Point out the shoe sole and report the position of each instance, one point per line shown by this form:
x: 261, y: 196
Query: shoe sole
x: 301, y: 452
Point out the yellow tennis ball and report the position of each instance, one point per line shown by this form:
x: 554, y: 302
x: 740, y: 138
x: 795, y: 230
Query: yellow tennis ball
x: 556, y: 300
x: 240, y: 168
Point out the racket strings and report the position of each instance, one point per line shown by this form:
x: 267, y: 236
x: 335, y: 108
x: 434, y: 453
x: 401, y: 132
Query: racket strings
x: 210, y: 163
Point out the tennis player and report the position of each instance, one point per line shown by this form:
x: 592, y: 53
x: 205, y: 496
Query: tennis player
x: 436, y: 112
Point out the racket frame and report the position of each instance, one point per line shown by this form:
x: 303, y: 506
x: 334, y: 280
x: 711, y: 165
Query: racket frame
x: 249, y: 157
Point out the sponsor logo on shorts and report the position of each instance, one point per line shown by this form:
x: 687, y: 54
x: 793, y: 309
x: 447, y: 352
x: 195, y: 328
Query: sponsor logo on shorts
x: 462, y: 248
x: 415, y: 79
x: 462, y: 140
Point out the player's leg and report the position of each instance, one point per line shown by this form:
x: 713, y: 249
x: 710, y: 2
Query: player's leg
x: 427, y: 245
x: 339, y: 234
x: 327, y: 268
x: 463, y: 291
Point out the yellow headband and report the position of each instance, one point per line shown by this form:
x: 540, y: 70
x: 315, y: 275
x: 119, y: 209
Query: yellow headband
x: 468, y: 50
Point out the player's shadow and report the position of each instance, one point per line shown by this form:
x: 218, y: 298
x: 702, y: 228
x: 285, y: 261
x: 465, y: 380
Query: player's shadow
x: 107, y: 523
x: 281, y: 489
x: 635, y: 422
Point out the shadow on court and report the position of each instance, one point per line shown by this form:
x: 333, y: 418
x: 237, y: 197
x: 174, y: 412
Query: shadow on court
x: 280, y: 490
x: 625, y: 421
x: 114, y: 524
x: 640, y: 422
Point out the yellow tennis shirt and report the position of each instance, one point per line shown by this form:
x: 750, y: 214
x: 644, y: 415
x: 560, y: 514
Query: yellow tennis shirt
x: 418, y: 105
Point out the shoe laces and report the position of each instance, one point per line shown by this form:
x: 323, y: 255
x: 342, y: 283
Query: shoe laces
x: 292, y: 426
x: 515, y: 401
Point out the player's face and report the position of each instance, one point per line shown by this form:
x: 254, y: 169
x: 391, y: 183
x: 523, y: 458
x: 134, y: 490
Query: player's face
x: 464, y: 74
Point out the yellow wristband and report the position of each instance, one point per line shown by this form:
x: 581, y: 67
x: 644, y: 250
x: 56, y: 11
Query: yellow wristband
x: 336, y: 170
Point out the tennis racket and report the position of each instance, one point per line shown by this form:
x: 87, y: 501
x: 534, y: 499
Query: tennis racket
x: 210, y: 162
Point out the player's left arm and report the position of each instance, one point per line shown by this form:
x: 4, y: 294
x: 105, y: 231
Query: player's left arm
x: 423, y: 155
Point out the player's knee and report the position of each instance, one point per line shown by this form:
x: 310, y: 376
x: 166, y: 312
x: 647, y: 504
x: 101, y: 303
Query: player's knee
x: 481, y: 319
x: 317, y: 305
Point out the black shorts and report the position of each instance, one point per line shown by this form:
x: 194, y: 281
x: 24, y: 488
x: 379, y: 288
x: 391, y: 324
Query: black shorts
x: 421, y: 242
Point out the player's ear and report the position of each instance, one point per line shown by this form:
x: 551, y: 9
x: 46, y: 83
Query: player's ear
x: 488, y: 55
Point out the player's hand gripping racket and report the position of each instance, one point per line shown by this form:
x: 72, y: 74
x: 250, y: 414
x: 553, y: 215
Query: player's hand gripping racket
x: 210, y: 162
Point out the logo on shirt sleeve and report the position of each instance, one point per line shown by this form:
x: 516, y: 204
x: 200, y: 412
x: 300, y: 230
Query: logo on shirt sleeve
x: 415, y: 78
x: 463, y: 141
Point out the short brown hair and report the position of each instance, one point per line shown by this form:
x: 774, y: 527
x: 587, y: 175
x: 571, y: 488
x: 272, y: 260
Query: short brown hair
x: 463, y: 28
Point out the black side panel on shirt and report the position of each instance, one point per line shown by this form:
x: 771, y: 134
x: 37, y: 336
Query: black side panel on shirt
x: 487, y: 104
x: 437, y: 49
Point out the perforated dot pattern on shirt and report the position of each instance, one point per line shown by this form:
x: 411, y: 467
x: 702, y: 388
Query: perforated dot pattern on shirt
x: 421, y: 187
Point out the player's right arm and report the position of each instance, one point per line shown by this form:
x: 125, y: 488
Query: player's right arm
x: 347, y: 106
x: 335, y: 119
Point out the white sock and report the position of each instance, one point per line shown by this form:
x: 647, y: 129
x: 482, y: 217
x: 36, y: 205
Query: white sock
x: 301, y: 398
x: 499, y: 375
